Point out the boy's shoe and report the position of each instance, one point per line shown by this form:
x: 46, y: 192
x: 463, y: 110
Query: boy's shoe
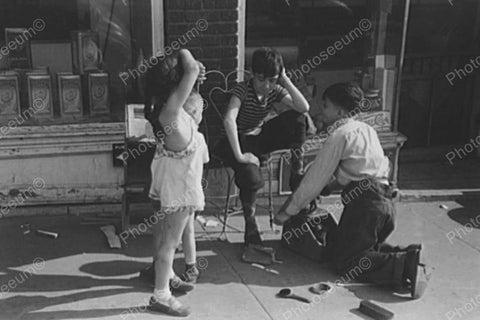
x: 413, y: 247
x: 148, y: 274
x: 421, y: 282
x: 412, y: 259
x: 415, y: 273
x: 177, y: 284
x: 172, y: 307
x: 191, y: 274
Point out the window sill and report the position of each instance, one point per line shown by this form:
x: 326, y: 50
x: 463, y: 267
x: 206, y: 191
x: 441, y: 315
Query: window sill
x: 33, y: 141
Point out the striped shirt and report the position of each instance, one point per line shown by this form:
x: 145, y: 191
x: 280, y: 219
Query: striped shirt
x: 253, y: 112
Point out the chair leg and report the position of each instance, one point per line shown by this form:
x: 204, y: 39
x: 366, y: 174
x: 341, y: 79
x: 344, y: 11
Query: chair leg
x: 270, y: 195
x: 227, y: 202
x: 125, y: 219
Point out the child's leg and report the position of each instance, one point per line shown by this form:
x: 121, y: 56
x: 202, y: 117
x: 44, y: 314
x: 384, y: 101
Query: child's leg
x: 191, y: 273
x: 188, y: 240
x: 249, y: 180
x: 166, y: 236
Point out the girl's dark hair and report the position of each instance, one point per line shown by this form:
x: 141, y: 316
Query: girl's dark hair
x: 161, y: 79
x: 267, y: 61
x: 345, y: 95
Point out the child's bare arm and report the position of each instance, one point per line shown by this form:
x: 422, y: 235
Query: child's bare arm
x: 178, y: 97
x: 295, y: 99
x: 173, y: 112
x: 230, y: 123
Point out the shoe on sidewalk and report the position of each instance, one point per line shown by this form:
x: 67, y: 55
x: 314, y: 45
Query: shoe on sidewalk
x: 416, y: 274
x: 172, y: 307
x: 424, y: 273
x: 191, y: 274
x: 177, y: 284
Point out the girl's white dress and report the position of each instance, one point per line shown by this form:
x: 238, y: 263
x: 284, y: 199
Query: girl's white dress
x: 177, y: 175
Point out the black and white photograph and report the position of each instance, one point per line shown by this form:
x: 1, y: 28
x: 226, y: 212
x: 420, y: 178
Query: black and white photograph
x: 240, y: 159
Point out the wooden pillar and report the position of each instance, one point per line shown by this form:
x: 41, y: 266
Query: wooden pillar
x: 400, y: 66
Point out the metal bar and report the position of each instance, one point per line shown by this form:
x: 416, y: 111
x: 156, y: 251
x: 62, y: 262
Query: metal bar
x: 400, y: 65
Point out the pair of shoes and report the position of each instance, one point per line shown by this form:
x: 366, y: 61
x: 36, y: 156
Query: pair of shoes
x: 172, y: 307
x: 191, y: 274
x: 148, y: 273
x: 177, y: 284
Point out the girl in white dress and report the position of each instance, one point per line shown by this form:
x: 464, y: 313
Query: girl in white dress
x: 177, y: 167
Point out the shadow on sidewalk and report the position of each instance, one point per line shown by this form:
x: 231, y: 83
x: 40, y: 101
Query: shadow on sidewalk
x: 468, y: 216
x: 69, y: 268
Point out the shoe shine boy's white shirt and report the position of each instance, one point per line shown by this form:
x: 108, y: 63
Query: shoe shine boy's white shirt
x: 351, y: 153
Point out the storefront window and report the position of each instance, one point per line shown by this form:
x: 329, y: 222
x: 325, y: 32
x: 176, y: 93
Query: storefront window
x: 324, y: 42
x: 60, y: 60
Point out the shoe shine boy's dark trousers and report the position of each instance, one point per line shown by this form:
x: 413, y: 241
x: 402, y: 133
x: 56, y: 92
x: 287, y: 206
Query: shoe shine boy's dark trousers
x: 359, y: 249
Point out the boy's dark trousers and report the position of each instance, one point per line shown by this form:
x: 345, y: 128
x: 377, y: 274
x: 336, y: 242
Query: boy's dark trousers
x: 359, y: 249
x: 286, y: 131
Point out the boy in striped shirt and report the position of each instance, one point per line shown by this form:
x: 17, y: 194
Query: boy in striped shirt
x: 249, y: 137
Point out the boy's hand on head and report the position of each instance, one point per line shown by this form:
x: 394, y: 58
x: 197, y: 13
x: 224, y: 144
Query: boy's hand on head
x: 282, y: 77
x: 249, y: 158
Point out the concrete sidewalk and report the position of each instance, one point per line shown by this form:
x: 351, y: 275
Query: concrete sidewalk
x: 78, y: 277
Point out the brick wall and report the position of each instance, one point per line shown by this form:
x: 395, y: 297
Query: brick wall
x: 216, y: 47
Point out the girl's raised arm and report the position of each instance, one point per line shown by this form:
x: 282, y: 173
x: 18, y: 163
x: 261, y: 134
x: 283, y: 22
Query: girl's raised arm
x: 191, y: 70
